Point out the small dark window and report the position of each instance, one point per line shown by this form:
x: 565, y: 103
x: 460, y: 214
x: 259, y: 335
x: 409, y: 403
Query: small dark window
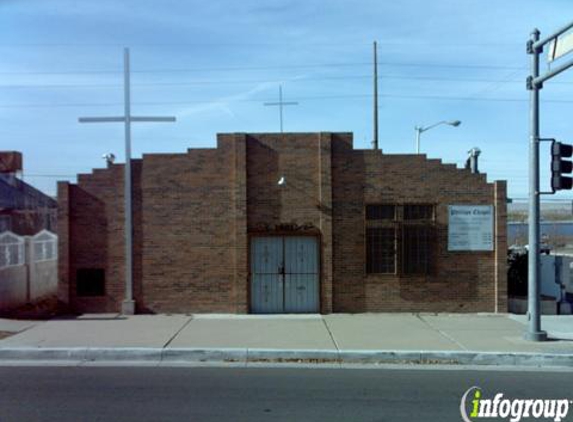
x: 380, y: 212
x: 418, y: 212
x: 90, y: 282
x: 380, y: 250
x: 418, y: 244
x: 5, y: 223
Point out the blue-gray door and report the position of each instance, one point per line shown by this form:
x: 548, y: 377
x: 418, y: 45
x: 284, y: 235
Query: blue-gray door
x: 284, y: 274
x: 267, y: 295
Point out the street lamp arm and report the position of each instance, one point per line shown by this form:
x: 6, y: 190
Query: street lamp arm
x: 420, y: 129
x: 423, y: 129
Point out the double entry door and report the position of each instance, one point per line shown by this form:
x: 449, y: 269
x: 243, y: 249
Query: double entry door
x: 284, y: 274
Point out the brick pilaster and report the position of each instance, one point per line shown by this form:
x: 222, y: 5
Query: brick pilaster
x: 239, y: 175
x: 500, y: 197
x: 325, y: 222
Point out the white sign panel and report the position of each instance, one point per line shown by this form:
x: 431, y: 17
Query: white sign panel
x: 560, y: 46
x: 470, y: 228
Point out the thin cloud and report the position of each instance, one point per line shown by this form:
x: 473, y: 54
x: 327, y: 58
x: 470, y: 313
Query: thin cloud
x: 224, y: 104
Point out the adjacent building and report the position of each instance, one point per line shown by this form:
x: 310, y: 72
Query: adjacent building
x: 24, y: 210
x: 28, y: 244
x: 286, y: 223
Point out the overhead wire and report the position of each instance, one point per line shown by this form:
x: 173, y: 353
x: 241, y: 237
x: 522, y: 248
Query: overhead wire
x: 273, y: 67
x: 298, y: 98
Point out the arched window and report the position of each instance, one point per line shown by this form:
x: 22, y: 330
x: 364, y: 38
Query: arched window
x: 11, y: 250
x: 45, y: 246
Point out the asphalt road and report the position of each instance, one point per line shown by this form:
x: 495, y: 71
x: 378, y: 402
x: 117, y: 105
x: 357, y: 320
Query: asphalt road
x: 72, y: 394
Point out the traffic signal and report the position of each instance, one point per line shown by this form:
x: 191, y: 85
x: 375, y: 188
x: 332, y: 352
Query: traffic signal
x: 561, y: 168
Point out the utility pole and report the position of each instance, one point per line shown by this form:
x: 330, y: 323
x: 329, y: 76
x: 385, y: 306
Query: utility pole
x: 534, y: 85
x: 375, y: 137
x: 280, y: 104
x: 128, y: 304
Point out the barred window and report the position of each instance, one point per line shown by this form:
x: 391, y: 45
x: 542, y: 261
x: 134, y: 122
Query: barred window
x: 418, y: 248
x: 400, y: 238
x: 418, y: 212
x: 380, y: 212
x: 381, y: 250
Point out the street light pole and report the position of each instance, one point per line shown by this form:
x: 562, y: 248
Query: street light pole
x: 375, y: 137
x: 420, y: 129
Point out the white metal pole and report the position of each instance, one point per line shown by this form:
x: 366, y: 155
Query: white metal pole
x: 534, y: 332
x: 128, y: 306
x: 418, y: 132
x: 375, y: 141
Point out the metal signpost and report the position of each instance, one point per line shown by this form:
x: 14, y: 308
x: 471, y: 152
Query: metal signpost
x: 128, y: 305
x: 534, y: 84
x: 281, y: 103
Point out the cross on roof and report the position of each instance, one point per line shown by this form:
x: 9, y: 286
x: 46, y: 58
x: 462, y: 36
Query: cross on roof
x: 280, y: 104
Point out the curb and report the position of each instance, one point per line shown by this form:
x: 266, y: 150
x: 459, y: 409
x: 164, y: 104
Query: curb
x: 272, y: 356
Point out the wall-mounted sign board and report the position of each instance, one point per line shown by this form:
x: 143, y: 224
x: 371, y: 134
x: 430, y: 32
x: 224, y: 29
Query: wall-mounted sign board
x: 470, y: 228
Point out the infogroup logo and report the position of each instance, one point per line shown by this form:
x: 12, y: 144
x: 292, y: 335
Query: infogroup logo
x: 514, y: 409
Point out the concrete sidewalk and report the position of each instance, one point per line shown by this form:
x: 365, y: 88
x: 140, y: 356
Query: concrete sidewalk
x: 458, y: 338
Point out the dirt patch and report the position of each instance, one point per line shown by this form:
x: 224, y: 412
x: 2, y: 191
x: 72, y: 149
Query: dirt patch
x: 4, y: 334
x: 43, y: 309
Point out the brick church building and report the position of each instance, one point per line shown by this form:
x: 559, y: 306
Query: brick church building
x: 285, y: 223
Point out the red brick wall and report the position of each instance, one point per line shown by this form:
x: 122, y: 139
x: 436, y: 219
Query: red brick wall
x: 463, y: 282
x: 64, y: 244
x: 190, y: 241
x: 500, y: 265
x: 188, y: 244
x: 303, y: 159
x: 91, y: 236
x: 193, y: 214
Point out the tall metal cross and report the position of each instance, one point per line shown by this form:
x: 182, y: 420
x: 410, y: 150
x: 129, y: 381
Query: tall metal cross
x: 128, y: 305
x: 281, y: 103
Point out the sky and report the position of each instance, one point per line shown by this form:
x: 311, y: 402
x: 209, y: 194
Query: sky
x: 213, y: 65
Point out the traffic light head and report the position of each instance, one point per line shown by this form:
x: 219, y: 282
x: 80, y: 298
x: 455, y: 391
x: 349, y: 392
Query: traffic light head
x: 559, y: 167
x: 561, y: 149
